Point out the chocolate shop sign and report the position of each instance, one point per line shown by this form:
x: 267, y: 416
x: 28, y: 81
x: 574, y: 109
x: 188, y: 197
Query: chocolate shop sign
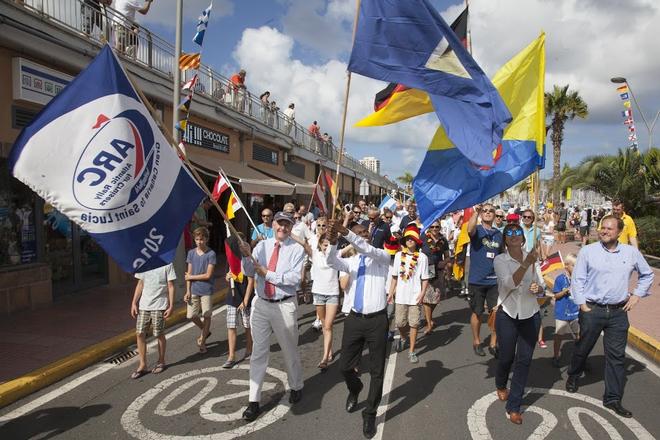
x: 204, y: 137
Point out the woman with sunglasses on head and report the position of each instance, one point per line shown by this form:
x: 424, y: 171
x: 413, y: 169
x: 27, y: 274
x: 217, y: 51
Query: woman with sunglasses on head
x: 518, y: 319
x: 436, y: 248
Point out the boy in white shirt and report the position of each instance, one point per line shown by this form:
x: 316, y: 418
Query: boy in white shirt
x: 155, y: 293
x: 410, y: 277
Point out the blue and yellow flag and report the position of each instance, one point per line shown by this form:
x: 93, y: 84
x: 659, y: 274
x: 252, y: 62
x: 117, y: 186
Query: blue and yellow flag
x: 408, y: 42
x: 448, y: 181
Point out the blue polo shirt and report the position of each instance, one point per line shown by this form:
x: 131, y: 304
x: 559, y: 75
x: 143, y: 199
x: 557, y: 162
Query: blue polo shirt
x: 485, y: 245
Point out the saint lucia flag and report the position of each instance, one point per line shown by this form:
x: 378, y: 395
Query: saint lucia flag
x: 95, y: 154
x: 407, y: 42
x: 448, y: 181
x: 202, y: 24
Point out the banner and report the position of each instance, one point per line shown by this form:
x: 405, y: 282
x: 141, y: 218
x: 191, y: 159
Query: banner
x: 98, y: 157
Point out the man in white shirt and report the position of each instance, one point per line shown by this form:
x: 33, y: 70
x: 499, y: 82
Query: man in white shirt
x: 277, y: 268
x: 124, y: 29
x: 290, y: 117
x: 367, y: 319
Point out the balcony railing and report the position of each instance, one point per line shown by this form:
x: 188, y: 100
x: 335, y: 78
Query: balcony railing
x: 143, y: 47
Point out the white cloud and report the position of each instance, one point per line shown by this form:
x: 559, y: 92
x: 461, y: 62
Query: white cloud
x: 163, y: 12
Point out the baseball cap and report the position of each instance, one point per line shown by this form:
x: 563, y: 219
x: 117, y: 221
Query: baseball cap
x: 283, y: 216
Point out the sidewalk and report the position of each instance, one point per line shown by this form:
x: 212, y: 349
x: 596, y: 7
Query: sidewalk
x: 33, y: 339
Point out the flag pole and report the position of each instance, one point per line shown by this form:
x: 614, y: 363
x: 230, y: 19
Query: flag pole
x: 180, y: 152
x: 343, y: 121
x: 239, y: 199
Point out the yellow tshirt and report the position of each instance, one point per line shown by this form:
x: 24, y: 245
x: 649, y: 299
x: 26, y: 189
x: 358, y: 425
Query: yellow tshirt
x: 629, y: 229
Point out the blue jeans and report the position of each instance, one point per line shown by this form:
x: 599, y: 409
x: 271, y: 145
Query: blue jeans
x: 516, y: 339
x: 614, y: 323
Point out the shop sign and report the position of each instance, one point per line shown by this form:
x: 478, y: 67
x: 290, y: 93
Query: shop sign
x: 204, y: 137
x: 33, y: 82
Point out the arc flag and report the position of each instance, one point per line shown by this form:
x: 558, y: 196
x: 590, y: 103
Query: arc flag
x: 448, y: 181
x: 97, y: 156
x: 397, y: 102
x: 408, y: 42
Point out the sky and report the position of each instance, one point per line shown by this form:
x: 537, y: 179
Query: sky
x: 298, y: 50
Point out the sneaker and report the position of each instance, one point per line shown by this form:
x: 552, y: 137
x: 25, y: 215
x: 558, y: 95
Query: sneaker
x: 229, y: 363
x: 413, y: 357
x: 398, y: 345
x: 542, y: 344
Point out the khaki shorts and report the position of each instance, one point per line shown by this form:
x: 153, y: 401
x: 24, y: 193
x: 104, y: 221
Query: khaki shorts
x: 405, y: 314
x: 155, y: 318
x: 567, y: 327
x: 199, y: 305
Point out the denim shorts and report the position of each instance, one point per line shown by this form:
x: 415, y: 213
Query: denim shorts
x: 322, y: 300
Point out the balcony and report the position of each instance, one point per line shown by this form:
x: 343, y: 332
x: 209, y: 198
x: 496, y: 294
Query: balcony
x: 139, y: 45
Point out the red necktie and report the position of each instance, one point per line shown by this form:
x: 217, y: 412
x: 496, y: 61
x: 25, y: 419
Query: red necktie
x: 269, y: 289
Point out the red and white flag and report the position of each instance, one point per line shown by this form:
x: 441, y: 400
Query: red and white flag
x: 319, y: 194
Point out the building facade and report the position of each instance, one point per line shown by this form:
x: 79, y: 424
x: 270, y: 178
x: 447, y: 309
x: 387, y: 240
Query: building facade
x: 43, y: 45
x: 371, y: 163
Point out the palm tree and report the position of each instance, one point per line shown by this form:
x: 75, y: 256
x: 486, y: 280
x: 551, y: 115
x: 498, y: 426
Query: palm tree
x: 406, y: 179
x: 561, y: 106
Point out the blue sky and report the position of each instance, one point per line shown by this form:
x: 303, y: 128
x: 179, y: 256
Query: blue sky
x: 298, y: 50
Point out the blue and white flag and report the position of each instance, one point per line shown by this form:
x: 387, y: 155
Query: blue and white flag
x: 389, y: 203
x: 96, y: 155
x: 202, y: 24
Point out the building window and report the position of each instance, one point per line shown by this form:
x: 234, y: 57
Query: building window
x: 263, y: 154
x: 295, y: 168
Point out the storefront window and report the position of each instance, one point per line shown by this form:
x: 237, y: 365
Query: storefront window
x: 17, y: 221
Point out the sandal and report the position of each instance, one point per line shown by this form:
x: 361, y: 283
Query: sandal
x: 159, y: 368
x: 323, y: 365
x: 138, y: 374
x: 199, y: 340
x: 202, y: 348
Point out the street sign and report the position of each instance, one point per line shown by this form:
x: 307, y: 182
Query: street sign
x: 364, y: 187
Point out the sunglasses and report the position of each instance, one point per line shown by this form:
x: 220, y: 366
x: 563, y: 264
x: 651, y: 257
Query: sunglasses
x: 266, y: 215
x: 357, y: 212
x: 514, y: 233
x: 434, y: 227
x: 527, y: 216
x: 499, y: 216
x: 487, y: 210
x: 389, y: 217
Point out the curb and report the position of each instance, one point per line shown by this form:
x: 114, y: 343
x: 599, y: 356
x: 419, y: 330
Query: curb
x: 645, y: 343
x: 15, y: 389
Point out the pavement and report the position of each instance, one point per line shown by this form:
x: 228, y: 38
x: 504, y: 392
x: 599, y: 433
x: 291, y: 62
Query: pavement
x: 449, y: 394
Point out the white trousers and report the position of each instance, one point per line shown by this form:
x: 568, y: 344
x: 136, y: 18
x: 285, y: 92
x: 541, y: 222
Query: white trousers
x: 282, y: 319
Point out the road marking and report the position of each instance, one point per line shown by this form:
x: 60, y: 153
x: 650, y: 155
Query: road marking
x: 385, y: 402
x: 642, y: 360
x: 574, y: 417
x: 102, y: 368
x: 162, y: 410
x: 132, y: 423
x: 476, y: 417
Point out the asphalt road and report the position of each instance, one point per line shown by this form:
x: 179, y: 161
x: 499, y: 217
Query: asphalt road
x: 449, y: 394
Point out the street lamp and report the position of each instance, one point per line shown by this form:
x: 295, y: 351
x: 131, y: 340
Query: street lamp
x: 649, y: 129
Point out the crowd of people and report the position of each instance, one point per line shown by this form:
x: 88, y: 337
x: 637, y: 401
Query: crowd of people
x: 387, y: 272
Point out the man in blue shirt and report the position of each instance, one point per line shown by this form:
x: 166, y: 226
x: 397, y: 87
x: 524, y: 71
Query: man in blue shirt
x: 264, y: 230
x: 485, y: 244
x: 600, y: 287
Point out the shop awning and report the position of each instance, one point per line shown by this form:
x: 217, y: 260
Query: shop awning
x: 251, y: 180
x: 302, y: 185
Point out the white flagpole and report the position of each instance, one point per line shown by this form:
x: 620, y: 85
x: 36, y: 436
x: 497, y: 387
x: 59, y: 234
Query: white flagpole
x: 222, y: 172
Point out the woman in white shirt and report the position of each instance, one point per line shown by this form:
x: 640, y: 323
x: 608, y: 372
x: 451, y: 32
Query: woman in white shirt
x: 518, y: 320
x: 325, y: 290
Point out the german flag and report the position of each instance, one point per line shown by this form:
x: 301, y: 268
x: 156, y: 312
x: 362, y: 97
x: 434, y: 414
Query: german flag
x: 397, y: 102
x: 223, y: 194
x: 189, y: 61
x: 233, y: 253
x: 552, y: 263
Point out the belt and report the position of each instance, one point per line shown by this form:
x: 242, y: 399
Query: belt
x: 276, y: 300
x: 607, y: 306
x: 368, y: 315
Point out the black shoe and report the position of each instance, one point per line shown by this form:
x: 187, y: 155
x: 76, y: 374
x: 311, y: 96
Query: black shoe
x: 352, y: 400
x: 571, y: 384
x: 494, y: 352
x: 295, y: 396
x: 251, y: 412
x: 479, y: 350
x: 369, y: 426
x: 617, y: 408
